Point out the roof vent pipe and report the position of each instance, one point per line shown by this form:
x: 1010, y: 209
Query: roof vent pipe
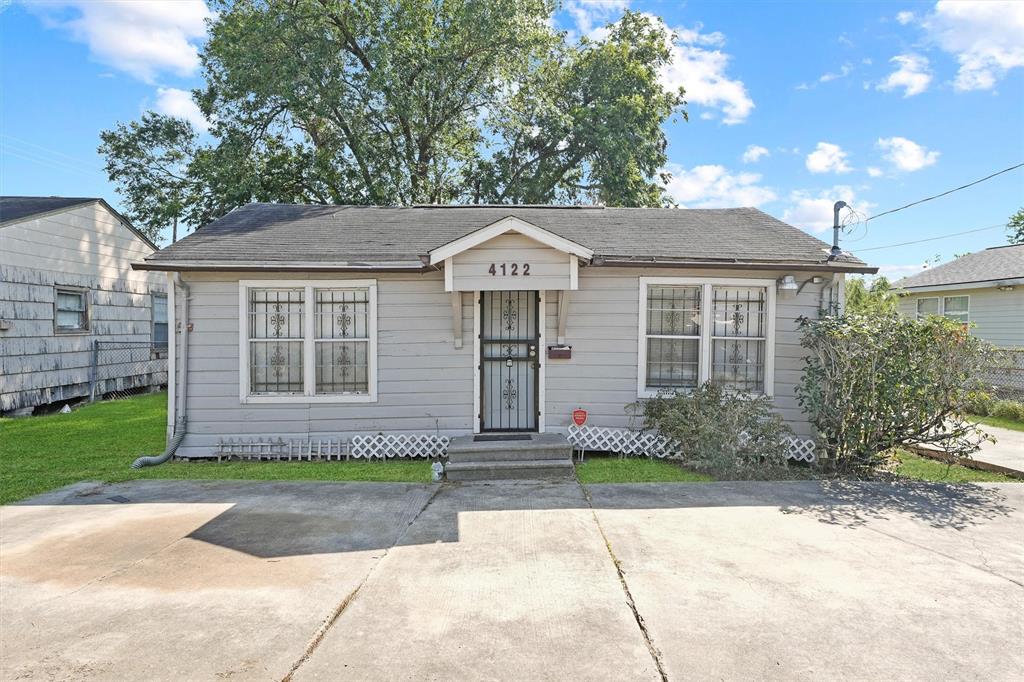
x: 836, y: 251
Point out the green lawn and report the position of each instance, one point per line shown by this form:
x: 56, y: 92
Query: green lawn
x: 100, y: 441
x: 635, y: 470
x: 1001, y: 422
x: 925, y: 469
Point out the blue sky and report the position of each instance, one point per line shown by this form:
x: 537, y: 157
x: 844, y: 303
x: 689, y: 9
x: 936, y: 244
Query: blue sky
x: 792, y: 105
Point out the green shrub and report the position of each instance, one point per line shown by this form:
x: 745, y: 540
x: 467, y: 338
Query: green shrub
x: 879, y: 381
x: 717, y: 429
x: 1008, y: 409
x: 979, y: 403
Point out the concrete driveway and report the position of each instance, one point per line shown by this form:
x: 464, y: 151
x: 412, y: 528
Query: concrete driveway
x: 272, y: 581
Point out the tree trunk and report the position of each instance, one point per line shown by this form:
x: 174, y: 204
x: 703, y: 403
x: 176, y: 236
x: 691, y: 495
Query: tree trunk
x: 174, y: 230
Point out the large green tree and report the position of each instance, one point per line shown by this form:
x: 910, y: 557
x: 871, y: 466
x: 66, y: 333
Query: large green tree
x: 1015, y: 227
x: 876, y: 298
x: 427, y: 101
x: 148, y: 160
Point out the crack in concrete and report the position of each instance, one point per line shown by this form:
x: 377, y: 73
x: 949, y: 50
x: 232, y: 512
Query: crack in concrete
x: 984, y: 568
x: 648, y: 640
x: 335, y: 614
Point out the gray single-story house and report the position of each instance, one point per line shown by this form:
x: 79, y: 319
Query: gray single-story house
x: 75, y: 319
x: 984, y: 288
x: 298, y: 321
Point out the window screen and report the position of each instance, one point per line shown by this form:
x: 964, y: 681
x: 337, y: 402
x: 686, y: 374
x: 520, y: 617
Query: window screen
x: 740, y: 318
x: 673, y: 336
x: 275, y: 341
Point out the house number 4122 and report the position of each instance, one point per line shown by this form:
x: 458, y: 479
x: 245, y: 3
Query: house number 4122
x: 509, y: 269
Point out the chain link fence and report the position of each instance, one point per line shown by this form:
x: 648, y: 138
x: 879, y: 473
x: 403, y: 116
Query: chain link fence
x: 1005, y: 374
x: 122, y: 369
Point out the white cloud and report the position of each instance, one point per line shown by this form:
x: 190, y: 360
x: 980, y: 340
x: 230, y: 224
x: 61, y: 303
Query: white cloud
x: 906, y: 155
x: 827, y: 158
x: 904, y: 17
x: 984, y: 36
x: 912, y: 75
x: 843, y: 72
x: 713, y: 186
x: 813, y: 210
x: 755, y: 153
x: 875, y: 172
x: 694, y: 61
x: 592, y: 16
x: 178, y: 103
x: 140, y: 37
x: 703, y: 73
x: 894, y: 273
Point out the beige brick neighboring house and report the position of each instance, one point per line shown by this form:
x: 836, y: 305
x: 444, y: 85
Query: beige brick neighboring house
x: 985, y: 288
x: 339, y: 321
x: 66, y: 283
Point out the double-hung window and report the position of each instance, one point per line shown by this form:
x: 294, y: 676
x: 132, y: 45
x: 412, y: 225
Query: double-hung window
x: 159, y: 321
x: 953, y: 307
x: 308, y: 341
x: 698, y: 330
x: 70, y: 310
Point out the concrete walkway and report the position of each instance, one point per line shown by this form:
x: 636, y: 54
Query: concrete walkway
x: 272, y: 581
x: 1007, y: 451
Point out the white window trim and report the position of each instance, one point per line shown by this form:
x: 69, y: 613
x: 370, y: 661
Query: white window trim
x: 308, y: 342
x: 84, y: 292
x: 704, y: 370
x: 153, y: 295
x: 917, y: 306
x: 941, y: 306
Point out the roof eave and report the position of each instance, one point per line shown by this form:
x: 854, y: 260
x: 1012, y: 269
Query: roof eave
x: 271, y: 266
x: 956, y: 286
x: 733, y: 264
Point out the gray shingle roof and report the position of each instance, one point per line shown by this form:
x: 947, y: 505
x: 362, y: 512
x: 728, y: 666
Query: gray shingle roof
x: 991, y: 265
x: 20, y: 208
x: 288, y: 233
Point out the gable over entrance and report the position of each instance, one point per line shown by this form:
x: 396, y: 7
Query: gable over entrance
x: 510, y: 254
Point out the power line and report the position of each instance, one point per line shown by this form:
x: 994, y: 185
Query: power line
x: 955, y: 189
x: 929, y: 239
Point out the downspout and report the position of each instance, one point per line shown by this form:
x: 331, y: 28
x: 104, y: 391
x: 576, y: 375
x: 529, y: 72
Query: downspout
x: 179, y: 427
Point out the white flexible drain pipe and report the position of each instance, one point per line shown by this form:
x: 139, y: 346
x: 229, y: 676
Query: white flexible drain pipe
x: 179, y: 426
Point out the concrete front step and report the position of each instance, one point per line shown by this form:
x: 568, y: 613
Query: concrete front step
x: 502, y: 455
x: 522, y: 442
x: 535, y: 456
x: 499, y: 470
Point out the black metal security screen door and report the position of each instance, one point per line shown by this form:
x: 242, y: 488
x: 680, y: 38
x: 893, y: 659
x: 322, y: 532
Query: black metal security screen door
x: 509, y: 360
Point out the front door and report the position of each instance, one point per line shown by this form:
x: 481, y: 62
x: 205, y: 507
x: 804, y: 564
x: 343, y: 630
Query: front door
x: 509, y: 360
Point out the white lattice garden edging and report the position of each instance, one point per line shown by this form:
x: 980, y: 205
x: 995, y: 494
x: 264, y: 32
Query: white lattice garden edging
x: 387, y: 446
x: 295, y: 449
x: 650, y: 444
x: 377, y: 446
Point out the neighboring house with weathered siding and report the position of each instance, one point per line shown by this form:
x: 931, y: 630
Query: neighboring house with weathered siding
x: 335, y: 321
x: 985, y: 289
x: 66, y: 283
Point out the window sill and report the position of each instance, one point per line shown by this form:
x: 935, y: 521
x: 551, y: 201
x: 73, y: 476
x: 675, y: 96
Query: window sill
x: 306, y: 399
x: 70, y: 332
x: 649, y: 393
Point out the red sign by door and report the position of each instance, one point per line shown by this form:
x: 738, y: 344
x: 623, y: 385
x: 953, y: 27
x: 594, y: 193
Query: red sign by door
x: 579, y: 417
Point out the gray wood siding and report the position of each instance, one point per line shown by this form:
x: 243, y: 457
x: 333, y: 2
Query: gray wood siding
x: 84, y: 247
x: 602, y: 328
x: 426, y: 384
x: 997, y: 316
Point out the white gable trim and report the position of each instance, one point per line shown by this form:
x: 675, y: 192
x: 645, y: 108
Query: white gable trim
x: 508, y: 224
